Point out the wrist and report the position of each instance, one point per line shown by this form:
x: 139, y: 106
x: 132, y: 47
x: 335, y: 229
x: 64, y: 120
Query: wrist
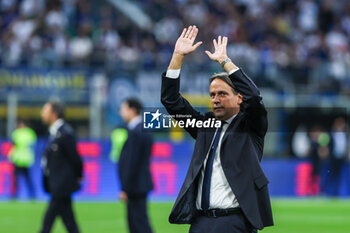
x: 228, y: 66
x: 178, y: 55
x: 222, y: 59
x: 176, y: 61
x: 227, y: 60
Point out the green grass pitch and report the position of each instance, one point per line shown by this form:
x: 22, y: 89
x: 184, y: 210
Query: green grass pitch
x: 291, y: 216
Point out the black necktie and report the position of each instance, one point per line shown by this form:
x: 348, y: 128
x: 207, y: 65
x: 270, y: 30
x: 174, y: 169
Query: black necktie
x: 208, y: 170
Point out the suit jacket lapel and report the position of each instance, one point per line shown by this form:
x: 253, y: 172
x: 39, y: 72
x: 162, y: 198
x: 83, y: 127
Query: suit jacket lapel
x: 232, y: 127
x: 209, y: 134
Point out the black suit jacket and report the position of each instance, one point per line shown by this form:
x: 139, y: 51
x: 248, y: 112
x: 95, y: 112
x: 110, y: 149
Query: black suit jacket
x: 63, y: 166
x: 241, y: 152
x: 134, y: 163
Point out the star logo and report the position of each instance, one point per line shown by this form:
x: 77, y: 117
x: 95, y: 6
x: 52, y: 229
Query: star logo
x: 156, y: 115
x: 151, y: 120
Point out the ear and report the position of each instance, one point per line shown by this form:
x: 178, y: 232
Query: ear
x: 240, y: 98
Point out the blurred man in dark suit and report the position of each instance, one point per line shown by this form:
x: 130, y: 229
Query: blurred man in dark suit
x: 134, y: 167
x: 338, y: 151
x: 62, y: 168
x: 225, y: 189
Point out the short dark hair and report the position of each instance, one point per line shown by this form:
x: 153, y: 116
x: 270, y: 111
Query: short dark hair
x: 57, y: 108
x: 224, y: 77
x: 135, y: 104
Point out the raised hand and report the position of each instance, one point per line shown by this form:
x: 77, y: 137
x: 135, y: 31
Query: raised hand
x: 219, y: 54
x: 184, y: 44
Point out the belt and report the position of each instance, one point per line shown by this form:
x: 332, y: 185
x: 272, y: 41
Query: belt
x: 219, y: 212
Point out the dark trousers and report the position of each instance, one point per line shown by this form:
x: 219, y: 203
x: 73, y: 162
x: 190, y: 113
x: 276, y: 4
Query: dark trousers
x: 335, y: 176
x: 23, y: 171
x: 236, y: 223
x: 137, y: 215
x: 61, y: 206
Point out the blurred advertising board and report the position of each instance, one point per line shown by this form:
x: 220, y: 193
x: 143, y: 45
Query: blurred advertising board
x: 39, y: 83
x: 170, y: 161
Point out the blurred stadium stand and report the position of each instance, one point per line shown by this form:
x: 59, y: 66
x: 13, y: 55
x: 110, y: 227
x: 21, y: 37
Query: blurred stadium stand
x: 93, y: 54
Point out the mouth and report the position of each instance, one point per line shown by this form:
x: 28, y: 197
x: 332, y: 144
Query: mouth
x: 217, y: 109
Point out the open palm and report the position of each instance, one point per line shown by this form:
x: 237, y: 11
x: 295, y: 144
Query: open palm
x: 220, y: 53
x: 184, y: 44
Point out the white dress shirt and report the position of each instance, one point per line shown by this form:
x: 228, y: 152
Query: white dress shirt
x: 55, y: 126
x: 134, y: 122
x: 221, y: 194
x: 53, y: 131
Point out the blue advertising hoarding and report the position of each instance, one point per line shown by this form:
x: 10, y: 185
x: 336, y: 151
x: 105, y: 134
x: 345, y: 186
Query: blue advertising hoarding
x: 170, y: 161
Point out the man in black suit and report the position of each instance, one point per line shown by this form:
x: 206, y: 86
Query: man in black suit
x: 225, y: 189
x: 62, y: 168
x: 134, y: 168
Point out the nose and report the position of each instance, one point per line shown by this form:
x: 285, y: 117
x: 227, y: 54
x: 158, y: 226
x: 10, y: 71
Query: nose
x: 215, y: 99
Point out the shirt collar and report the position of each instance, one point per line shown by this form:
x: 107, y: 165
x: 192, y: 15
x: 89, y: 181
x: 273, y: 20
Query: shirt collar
x: 55, y: 126
x: 228, y: 121
x: 134, y: 122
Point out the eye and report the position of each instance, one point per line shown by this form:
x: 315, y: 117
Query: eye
x: 222, y: 93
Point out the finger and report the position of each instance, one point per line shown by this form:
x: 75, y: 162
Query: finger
x: 215, y: 44
x: 190, y: 36
x: 183, y: 32
x: 219, y: 40
x: 188, y: 31
x: 194, y: 34
x: 209, y: 54
x: 225, y: 41
x: 197, y: 45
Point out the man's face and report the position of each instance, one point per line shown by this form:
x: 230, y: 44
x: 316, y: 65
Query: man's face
x: 46, y: 114
x: 126, y: 112
x: 224, y: 102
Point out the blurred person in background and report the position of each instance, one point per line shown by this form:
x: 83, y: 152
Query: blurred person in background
x: 134, y: 168
x: 305, y: 41
x: 22, y: 156
x: 225, y: 189
x: 338, y: 150
x: 315, y: 159
x: 62, y: 168
x: 118, y: 138
x: 319, y: 153
x: 314, y: 134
